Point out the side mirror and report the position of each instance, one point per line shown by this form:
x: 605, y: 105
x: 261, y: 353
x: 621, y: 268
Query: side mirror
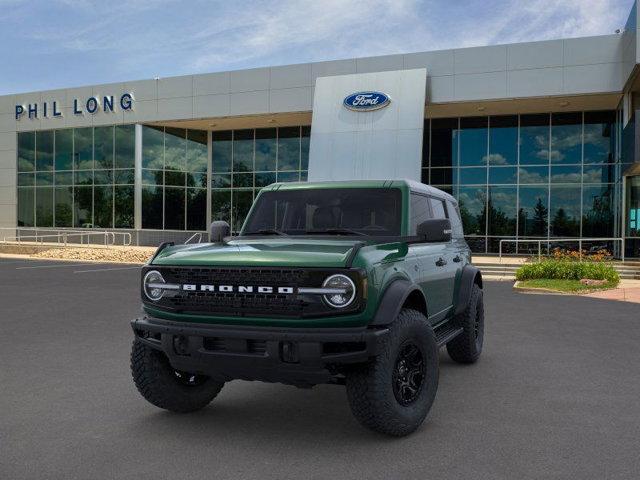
x: 435, y: 230
x: 218, y: 230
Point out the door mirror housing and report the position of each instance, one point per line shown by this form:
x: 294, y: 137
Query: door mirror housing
x: 218, y: 230
x: 435, y: 230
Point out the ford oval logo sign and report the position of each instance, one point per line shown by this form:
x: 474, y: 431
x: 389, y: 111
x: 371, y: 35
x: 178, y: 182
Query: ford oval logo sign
x: 366, y: 101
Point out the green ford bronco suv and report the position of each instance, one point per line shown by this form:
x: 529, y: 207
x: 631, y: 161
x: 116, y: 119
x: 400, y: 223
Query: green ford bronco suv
x: 350, y: 283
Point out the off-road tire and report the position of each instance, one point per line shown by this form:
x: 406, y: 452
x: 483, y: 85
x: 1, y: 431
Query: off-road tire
x: 370, y: 388
x: 467, y: 347
x: 157, y: 382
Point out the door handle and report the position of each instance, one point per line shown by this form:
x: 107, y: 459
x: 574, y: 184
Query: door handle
x: 457, y: 259
x: 441, y: 262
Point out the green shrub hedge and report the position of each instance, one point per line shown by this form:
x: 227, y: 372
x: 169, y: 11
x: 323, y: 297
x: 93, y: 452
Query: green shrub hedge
x: 568, y: 271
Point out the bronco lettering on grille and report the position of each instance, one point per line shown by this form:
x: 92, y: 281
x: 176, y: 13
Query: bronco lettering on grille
x: 191, y: 287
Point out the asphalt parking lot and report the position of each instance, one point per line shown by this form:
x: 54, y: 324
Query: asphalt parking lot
x: 555, y: 395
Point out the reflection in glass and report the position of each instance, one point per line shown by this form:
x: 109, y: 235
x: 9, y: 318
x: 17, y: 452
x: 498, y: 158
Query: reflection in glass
x: 288, y: 177
x: 44, y: 207
x: 83, y: 148
x: 174, y: 202
x: 103, y: 207
x: 152, y: 147
x: 220, y: 181
x: 472, y: 176
x: 103, y: 177
x: 533, y: 213
x: 152, y: 177
x: 152, y: 207
x: 266, y: 149
x: 472, y: 203
x: 501, y: 210
x: 83, y: 177
x: 26, y: 179
x: 44, y: 179
x: 126, y: 176
x: 64, y: 149
x: 222, y: 146
x: 503, y: 175
x: 264, y: 179
x: 632, y: 208
x: 533, y: 175
x: 473, y: 141
x: 125, y: 146
x: 83, y: 206
x: 196, y: 209
x: 242, y: 180
x: 26, y: 151
x: 175, y: 149
x: 564, y: 212
x: 566, y: 138
x: 304, y: 147
x: 599, y: 141
x: 597, y: 211
x: 242, y: 200
x: 174, y: 179
x: 123, y: 200
x: 103, y: 147
x: 44, y: 150
x: 441, y: 176
x: 503, y: 140
x: 26, y: 205
x: 197, y: 151
x: 243, y: 150
x: 444, y: 146
x: 221, y: 205
x: 604, y: 173
x: 571, y: 174
x: 288, y: 148
x: 534, y: 139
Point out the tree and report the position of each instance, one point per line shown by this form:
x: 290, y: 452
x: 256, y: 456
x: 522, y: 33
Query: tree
x: 540, y: 219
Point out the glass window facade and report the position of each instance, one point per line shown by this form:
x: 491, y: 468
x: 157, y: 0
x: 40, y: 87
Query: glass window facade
x: 174, y: 178
x: 77, y: 177
x: 244, y: 161
x: 536, y: 176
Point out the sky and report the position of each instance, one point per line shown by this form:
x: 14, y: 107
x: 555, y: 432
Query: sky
x: 48, y: 44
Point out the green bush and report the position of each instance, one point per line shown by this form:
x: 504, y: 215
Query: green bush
x: 558, y: 269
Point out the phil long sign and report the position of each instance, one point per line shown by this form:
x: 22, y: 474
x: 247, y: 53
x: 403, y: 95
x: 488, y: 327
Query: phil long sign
x: 91, y: 105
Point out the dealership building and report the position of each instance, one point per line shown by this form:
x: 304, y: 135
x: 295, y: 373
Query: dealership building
x: 537, y: 141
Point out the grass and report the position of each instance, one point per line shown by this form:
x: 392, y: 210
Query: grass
x: 564, y: 285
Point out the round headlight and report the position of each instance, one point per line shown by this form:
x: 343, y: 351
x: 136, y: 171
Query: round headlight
x: 344, y: 291
x: 151, y: 283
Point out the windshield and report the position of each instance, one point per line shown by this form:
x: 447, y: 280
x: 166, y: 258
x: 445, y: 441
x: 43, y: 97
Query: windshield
x: 335, y: 211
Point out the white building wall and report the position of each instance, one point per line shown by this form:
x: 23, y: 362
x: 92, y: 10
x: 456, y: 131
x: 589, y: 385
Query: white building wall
x: 380, y: 144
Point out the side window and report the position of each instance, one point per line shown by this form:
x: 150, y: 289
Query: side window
x: 456, y: 222
x: 419, y: 211
x: 437, y: 206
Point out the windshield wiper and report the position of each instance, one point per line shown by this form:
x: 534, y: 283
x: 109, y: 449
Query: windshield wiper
x: 337, y: 231
x: 267, y: 231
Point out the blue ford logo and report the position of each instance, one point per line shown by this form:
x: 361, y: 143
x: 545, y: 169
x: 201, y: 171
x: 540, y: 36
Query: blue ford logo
x: 366, y: 101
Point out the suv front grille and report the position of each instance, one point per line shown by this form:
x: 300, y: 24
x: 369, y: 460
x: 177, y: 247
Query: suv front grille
x: 253, y: 304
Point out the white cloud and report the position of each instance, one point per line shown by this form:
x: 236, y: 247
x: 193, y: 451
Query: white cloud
x: 143, y: 38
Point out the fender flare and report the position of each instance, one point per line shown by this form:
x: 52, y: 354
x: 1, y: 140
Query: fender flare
x: 392, y: 301
x: 470, y: 275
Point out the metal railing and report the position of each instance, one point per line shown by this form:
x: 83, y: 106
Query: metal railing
x: 65, y: 237
x: 549, y: 242
x: 197, y: 235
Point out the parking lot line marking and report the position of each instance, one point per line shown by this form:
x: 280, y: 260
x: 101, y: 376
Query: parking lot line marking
x: 107, y: 269
x: 54, y: 266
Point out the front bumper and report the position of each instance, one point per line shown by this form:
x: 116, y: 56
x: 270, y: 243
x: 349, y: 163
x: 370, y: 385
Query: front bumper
x: 297, y: 356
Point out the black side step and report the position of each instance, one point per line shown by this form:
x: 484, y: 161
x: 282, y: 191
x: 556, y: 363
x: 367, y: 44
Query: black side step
x: 447, y: 333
